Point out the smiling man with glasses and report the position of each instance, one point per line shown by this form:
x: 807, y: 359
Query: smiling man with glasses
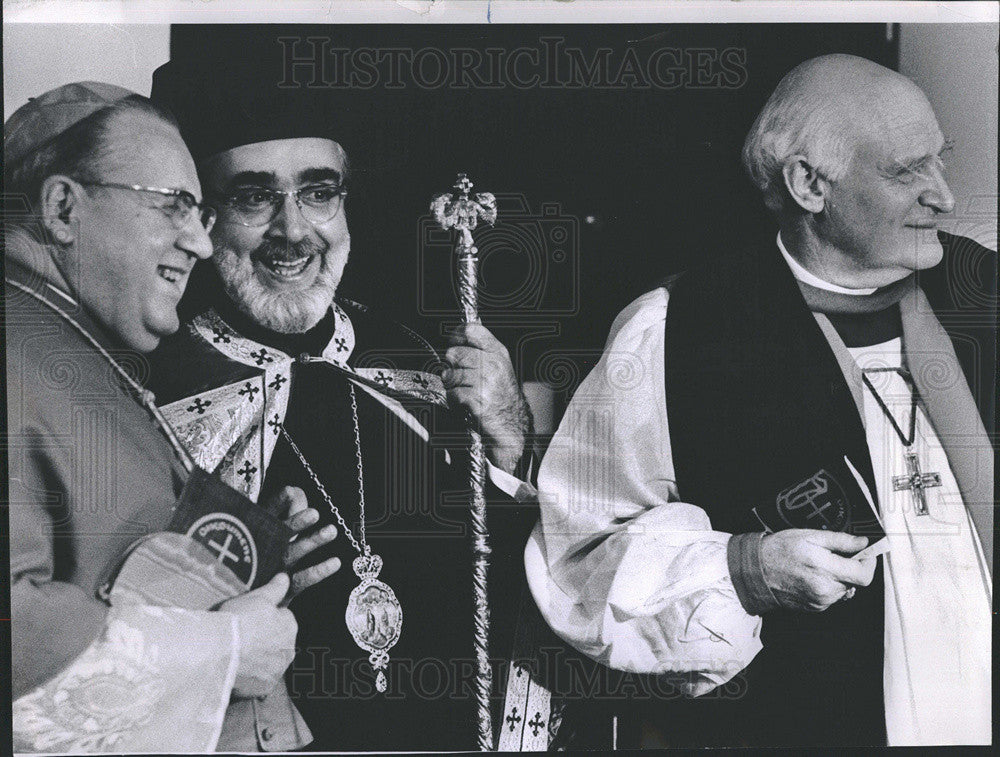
x: 282, y: 241
x: 102, y: 227
x: 125, y: 248
x: 279, y: 377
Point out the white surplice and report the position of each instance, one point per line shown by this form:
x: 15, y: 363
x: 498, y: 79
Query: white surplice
x: 619, y: 567
x: 638, y: 580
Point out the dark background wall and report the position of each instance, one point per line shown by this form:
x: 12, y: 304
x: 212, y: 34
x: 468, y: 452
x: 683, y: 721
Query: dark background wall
x: 614, y: 151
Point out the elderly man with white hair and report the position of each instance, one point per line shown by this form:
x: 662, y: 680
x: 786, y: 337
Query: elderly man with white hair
x: 816, y: 404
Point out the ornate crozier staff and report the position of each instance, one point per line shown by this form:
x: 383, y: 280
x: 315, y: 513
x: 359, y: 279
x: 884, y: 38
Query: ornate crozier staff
x: 460, y: 211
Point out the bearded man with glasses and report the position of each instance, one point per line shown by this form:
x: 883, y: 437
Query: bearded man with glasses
x: 278, y: 377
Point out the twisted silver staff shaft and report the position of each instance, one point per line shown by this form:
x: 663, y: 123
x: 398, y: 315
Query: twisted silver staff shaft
x: 462, y: 212
x: 468, y: 269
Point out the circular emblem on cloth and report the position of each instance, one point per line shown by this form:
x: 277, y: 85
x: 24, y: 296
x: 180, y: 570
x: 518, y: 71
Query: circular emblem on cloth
x: 230, y: 542
x: 817, y: 502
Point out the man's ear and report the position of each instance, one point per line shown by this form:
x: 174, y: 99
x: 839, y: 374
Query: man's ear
x: 804, y: 183
x: 60, y: 208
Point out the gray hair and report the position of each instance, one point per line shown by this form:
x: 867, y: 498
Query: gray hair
x: 794, y: 122
x: 818, y: 110
x: 77, y: 152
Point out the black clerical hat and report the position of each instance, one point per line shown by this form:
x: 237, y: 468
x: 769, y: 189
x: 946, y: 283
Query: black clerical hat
x: 220, y: 105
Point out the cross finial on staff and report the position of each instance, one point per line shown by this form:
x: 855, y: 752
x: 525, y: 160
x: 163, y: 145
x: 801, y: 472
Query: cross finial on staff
x: 461, y: 211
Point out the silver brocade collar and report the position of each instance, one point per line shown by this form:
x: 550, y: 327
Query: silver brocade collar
x: 232, y: 429
x: 420, y: 385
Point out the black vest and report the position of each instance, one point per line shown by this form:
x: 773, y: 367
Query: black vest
x: 756, y: 403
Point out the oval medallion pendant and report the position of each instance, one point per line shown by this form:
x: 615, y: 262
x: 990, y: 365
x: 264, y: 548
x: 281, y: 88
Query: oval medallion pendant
x: 374, y: 616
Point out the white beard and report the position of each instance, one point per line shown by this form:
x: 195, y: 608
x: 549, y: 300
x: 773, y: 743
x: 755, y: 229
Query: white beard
x: 292, y: 312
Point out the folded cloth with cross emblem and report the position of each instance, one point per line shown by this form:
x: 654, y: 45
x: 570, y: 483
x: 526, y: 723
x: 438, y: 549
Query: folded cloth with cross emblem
x: 220, y: 545
x: 832, y: 498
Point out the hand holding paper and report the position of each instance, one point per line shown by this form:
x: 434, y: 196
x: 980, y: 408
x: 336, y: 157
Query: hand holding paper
x: 808, y: 569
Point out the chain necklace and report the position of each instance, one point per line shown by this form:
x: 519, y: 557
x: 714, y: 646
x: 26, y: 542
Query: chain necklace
x: 914, y: 480
x: 374, y: 616
x: 907, y: 438
x: 142, y: 395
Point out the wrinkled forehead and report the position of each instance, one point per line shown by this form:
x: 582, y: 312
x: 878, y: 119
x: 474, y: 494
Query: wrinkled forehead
x: 899, y: 125
x: 281, y: 163
x: 141, y: 148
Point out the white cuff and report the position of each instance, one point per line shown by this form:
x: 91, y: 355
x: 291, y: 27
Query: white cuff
x: 510, y: 485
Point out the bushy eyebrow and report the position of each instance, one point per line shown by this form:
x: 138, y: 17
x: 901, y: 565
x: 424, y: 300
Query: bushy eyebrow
x: 269, y: 179
x: 257, y: 178
x: 311, y: 175
x: 896, y: 166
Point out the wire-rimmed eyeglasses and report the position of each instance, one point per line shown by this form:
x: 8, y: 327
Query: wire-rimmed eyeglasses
x: 259, y: 206
x: 179, y: 208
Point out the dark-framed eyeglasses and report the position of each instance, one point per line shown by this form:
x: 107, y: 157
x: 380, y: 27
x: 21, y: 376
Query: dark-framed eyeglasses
x: 259, y: 206
x: 180, y: 206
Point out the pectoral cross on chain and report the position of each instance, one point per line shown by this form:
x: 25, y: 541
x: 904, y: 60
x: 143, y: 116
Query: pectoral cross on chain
x: 915, y: 481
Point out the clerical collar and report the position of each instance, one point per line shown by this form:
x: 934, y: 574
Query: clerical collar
x: 868, y: 329
x: 862, y: 317
x: 801, y: 274
x: 830, y: 299
x: 311, y: 342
